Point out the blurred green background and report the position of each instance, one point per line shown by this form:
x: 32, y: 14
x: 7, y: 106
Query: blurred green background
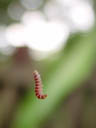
x: 57, y: 38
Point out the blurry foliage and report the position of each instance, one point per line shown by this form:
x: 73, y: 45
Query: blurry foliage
x: 63, y: 75
x: 4, y: 18
x: 5, y: 2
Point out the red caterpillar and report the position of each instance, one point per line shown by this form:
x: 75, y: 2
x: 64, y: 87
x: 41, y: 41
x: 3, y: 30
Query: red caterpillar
x: 38, y: 86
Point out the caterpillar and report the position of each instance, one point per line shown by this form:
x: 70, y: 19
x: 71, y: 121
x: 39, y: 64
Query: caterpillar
x: 38, y: 86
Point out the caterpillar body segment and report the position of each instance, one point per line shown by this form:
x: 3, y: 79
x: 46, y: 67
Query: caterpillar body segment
x: 38, y: 86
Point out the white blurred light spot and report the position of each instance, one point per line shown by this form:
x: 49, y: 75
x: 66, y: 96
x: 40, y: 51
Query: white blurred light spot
x: 32, y: 4
x: 78, y: 14
x: 15, y: 34
x: 37, y: 33
x: 45, y: 35
x: 3, y: 40
x: 82, y: 16
x: 69, y: 3
x: 30, y: 17
x: 53, y: 10
x: 15, y: 11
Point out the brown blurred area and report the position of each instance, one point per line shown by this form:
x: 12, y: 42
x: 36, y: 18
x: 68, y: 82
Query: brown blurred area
x: 15, y: 81
x: 77, y: 111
